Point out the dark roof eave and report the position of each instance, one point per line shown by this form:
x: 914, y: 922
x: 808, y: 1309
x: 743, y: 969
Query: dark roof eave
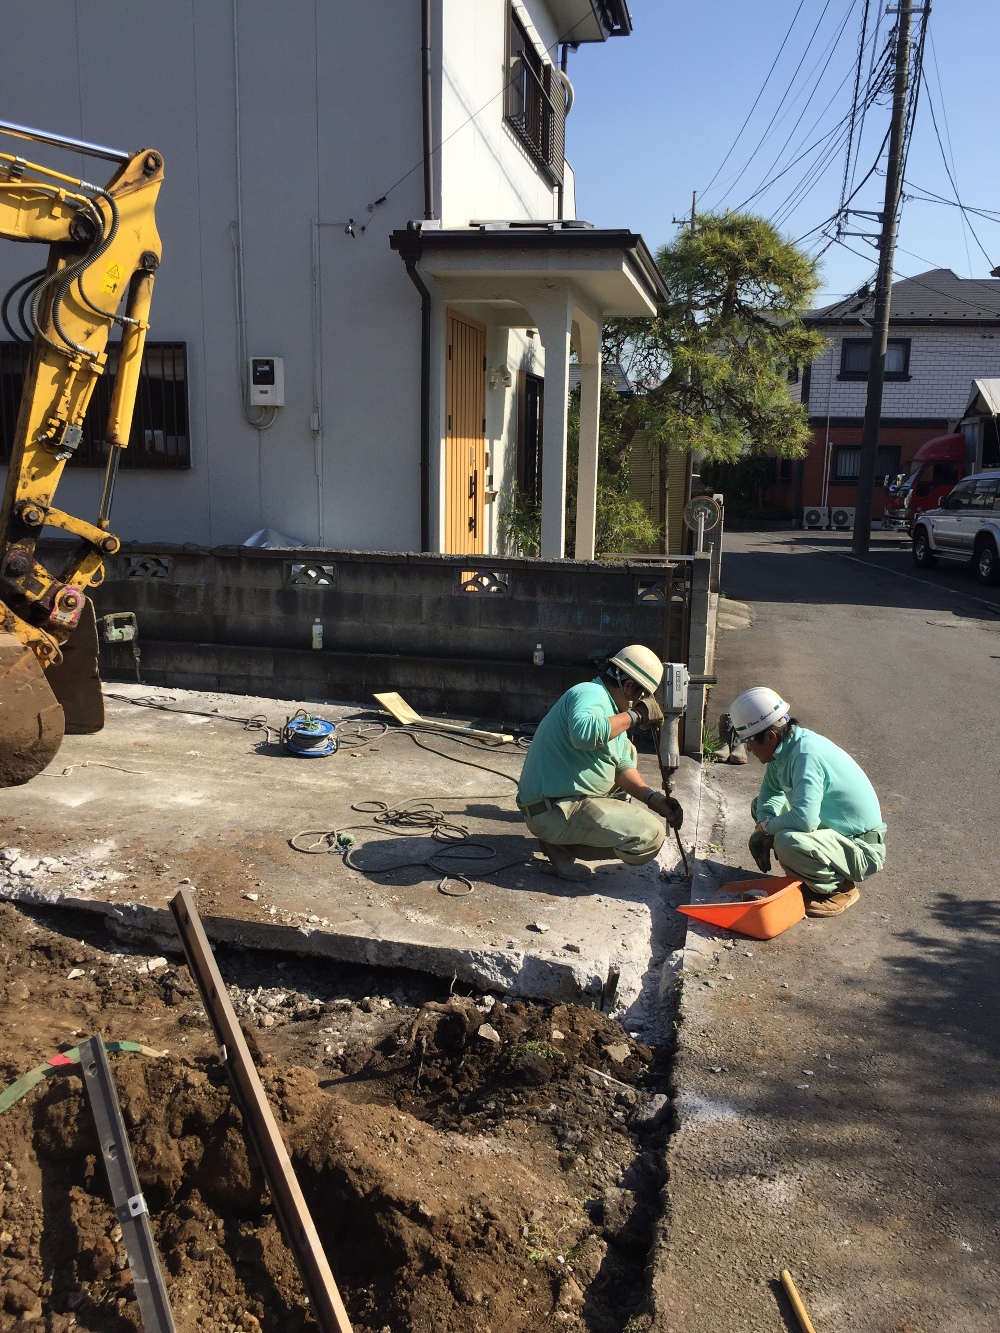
x: 615, y: 18
x: 922, y: 322
x: 412, y: 243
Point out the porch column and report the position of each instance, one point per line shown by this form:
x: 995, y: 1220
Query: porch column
x: 588, y: 348
x: 554, y: 313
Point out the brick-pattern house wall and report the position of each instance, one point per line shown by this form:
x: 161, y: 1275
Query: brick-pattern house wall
x: 943, y: 363
x: 909, y: 439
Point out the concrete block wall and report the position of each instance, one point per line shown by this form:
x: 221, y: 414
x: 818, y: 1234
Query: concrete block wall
x: 233, y: 619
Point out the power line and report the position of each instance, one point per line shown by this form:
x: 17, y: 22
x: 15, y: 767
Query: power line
x: 742, y: 172
x: 951, y: 178
x: 830, y: 143
x: 944, y: 114
x: 908, y: 277
x: 928, y: 196
x: 854, y: 104
x: 870, y: 82
x: 763, y: 86
x: 829, y: 53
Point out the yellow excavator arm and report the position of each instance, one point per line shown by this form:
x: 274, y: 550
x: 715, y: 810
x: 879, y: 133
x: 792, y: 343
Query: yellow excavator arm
x: 103, y: 251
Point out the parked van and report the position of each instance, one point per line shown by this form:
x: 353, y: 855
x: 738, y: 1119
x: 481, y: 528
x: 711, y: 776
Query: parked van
x: 965, y: 526
x: 936, y: 467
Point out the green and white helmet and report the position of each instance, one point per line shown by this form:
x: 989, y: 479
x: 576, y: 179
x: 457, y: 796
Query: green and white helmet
x: 642, y: 664
x: 757, y: 709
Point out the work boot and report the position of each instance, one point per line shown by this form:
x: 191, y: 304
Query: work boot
x: 562, y: 862
x: 725, y: 739
x: 738, y: 751
x: 832, y: 904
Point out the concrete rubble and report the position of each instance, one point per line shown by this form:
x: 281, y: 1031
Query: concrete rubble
x: 125, y: 817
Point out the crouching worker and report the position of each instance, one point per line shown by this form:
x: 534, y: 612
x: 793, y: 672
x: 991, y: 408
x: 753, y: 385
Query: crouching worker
x: 580, y: 772
x: 815, y: 809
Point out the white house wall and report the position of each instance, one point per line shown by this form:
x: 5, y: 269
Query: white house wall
x: 330, y: 120
x: 943, y: 363
x: 330, y: 123
x: 485, y: 170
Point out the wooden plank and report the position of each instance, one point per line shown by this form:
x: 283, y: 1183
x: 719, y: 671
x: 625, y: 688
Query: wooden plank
x: 408, y: 717
x: 258, y: 1119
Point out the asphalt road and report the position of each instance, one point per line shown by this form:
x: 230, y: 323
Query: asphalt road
x: 838, y: 1085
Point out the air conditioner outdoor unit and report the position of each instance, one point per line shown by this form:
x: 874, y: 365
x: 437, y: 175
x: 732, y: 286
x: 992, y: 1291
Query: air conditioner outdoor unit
x: 842, y: 517
x: 815, y: 516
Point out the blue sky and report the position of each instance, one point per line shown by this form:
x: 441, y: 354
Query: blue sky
x: 657, y: 112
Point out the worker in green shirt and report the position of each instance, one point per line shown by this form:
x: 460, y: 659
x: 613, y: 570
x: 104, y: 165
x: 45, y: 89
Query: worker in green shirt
x: 816, y: 809
x: 580, y: 772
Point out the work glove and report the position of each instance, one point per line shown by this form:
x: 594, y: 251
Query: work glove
x: 671, y: 810
x: 649, y: 710
x: 760, y: 849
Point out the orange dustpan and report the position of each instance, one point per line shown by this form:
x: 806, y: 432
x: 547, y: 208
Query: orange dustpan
x: 762, y: 918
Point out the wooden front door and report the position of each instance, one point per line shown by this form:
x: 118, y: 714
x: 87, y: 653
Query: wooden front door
x: 465, y: 449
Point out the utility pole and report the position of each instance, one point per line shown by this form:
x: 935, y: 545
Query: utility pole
x: 883, y: 286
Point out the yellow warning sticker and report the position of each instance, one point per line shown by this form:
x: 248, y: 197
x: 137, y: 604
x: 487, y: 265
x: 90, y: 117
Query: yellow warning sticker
x: 112, y: 279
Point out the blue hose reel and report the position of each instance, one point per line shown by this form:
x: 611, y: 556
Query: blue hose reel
x: 309, y: 737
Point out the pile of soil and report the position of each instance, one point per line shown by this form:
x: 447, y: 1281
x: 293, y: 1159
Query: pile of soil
x: 471, y: 1165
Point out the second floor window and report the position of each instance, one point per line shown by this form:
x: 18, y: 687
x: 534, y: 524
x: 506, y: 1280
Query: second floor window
x: 534, y: 103
x: 856, y: 353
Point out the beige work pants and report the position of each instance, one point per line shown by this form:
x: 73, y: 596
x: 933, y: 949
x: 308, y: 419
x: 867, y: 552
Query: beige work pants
x: 825, y: 858
x: 613, y: 824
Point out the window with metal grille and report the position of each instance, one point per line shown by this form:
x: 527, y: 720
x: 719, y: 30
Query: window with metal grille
x: 534, y: 101
x: 856, y: 353
x: 847, y: 462
x: 530, y: 410
x: 159, y: 436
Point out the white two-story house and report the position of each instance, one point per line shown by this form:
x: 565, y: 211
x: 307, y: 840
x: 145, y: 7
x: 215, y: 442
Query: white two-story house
x: 372, y: 195
x: 944, y: 333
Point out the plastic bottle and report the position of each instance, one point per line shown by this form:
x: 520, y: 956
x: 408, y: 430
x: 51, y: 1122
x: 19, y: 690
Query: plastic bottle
x: 317, y: 634
x: 538, y: 656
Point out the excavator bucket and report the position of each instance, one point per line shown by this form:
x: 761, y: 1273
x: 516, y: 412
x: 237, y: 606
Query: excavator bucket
x: 31, y: 718
x: 76, y: 681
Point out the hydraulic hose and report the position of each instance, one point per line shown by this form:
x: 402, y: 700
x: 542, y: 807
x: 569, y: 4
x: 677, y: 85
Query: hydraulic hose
x: 65, y: 277
x: 9, y: 296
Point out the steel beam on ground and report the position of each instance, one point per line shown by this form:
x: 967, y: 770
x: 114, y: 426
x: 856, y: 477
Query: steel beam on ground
x: 126, y: 1192
x: 290, y: 1205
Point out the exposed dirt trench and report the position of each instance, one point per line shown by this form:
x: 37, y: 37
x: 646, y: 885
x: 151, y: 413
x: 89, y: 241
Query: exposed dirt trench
x: 474, y: 1166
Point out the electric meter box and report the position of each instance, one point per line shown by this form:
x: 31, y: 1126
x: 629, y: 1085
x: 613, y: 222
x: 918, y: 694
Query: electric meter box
x: 267, y: 381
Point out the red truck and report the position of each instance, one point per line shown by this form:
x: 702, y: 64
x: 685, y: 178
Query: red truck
x: 936, y: 467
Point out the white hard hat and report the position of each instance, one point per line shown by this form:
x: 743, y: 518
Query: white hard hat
x: 755, y: 710
x: 641, y: 664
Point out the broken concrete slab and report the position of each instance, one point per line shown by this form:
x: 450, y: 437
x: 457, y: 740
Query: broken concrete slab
x: 207, y: 797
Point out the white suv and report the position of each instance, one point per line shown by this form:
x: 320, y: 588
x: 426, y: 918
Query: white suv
x: 964, y: 526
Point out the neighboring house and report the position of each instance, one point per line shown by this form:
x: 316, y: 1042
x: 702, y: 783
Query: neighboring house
x: 424, y: 318
x: 944, y: 332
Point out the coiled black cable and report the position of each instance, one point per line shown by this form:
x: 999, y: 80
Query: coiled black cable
x: 29, y: 282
